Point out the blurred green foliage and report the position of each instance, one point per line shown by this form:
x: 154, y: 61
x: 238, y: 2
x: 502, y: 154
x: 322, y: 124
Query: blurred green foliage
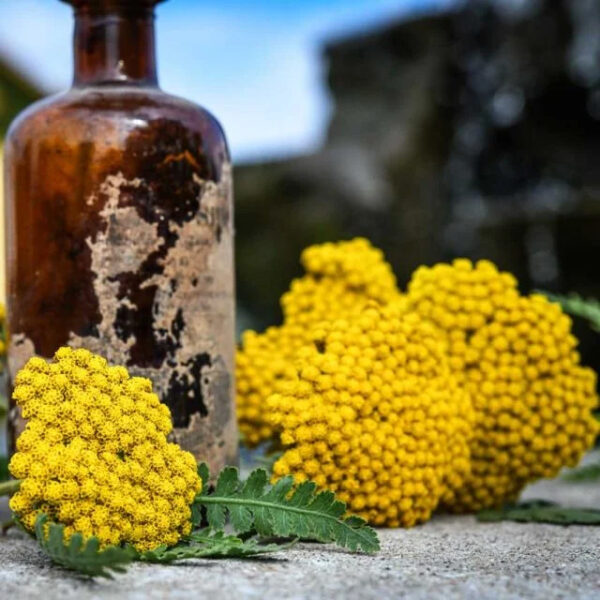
x: 3, y: 468
x: 584, y: 474
x: 15, y: 94
x: 574, y: 304
x: 541, y: 511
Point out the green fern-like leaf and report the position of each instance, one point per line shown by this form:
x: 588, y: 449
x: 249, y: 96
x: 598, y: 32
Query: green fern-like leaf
x: 574, y: 304
x: 542, y: 511
x: 84, y: 557
x: 282, y: 510
x: 204, y: 544
x: 583, y: 474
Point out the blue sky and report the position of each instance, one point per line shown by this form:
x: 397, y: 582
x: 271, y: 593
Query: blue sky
x: 255, y: 65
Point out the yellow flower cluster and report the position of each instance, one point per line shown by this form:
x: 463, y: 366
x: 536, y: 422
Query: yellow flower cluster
x: 516, y: 357
x: 460, y: 392
x: 95, y: 457
x: 341, y: 278
x: 373, y: 413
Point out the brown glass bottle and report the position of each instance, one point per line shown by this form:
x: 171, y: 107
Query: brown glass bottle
x: 119, y: 228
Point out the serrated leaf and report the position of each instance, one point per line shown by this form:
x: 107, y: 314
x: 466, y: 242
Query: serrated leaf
x: 84, y: 557
x: 241, y: 516
x: 227, y: 484
x: 255, y: 484
x: 203, y: 544
x: 204, y: 474
x: 542, y: 511
x: 282, y: 511
x: 197, y: 516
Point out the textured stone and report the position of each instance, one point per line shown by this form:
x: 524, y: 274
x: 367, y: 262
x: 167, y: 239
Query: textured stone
x: 449, y: 557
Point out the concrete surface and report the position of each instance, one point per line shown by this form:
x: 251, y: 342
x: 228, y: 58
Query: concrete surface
x: 449, y: 557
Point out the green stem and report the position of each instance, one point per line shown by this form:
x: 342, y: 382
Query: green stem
x: 9, y: 487
x: 263, y: 504
x: 225, y: 500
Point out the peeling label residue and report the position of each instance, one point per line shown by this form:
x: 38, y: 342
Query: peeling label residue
x: 186, y: 268
x: 121, y: 248
x: 20, y: 350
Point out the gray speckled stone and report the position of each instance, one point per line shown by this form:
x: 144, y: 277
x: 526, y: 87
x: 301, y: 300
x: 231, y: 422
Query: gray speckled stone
x: 449, y: 557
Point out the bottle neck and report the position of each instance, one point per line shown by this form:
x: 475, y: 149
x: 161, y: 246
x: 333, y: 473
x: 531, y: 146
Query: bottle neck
x: 114, y: 44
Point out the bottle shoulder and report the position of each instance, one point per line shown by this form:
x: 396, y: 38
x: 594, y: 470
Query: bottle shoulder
x: 30, y: 116
x: 84, y: 113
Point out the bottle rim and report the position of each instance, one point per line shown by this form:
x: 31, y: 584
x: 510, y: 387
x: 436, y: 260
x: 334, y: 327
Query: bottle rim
x: 111, y: 3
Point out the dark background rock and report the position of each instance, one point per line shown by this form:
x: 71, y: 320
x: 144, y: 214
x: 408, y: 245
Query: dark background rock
x: 474, y: 132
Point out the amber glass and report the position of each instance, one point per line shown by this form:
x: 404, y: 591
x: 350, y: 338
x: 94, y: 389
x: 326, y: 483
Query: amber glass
x: 119, y: 227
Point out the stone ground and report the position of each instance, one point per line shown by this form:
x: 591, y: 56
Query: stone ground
x: 449, y: 557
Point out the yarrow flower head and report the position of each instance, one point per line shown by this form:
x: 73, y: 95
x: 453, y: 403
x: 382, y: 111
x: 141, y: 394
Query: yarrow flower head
x: 517, y: 358
x: 94, y: 455
x: 341, y: 278
x: 373, y: 413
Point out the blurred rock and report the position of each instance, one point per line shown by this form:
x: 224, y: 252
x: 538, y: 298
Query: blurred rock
x: 472, y: 133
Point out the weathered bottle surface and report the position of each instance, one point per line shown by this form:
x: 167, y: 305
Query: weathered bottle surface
x: 120, y: 228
